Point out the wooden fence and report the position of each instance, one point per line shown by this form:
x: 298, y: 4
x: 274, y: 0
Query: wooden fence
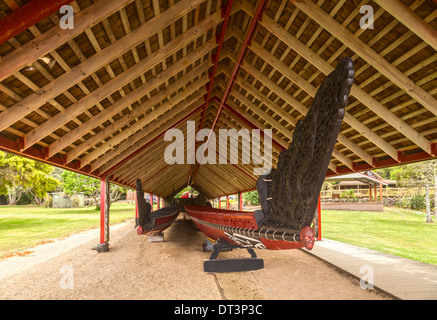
x: 386, y: 192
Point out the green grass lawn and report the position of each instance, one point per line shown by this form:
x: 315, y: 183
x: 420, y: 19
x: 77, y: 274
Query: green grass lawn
x: 24, y: 226
x: 395, y: 231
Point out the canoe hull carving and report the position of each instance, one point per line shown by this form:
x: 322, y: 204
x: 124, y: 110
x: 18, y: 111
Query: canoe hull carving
x: 241, y: 228
x: 152, y: 223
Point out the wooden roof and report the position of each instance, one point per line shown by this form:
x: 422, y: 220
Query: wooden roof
x: 97, y: 99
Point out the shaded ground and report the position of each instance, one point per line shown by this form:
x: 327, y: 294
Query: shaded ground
x: 137, y: 269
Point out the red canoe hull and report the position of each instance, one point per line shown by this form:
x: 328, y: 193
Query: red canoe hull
x: 237, y: 227
x: 162, y: 222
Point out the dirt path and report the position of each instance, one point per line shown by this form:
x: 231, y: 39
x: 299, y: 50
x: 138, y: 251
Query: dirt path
x: 137, y: 269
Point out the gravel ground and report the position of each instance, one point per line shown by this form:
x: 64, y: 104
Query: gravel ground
x: 137, y: 269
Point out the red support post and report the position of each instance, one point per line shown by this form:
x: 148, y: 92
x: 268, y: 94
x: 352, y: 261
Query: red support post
x: 102, y: 208
x: 227, y: 202
x: 220, y: 202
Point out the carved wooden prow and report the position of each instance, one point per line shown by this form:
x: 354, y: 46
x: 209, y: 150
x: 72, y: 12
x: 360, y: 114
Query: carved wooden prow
x: 289, y: 194
x: 144, y: 208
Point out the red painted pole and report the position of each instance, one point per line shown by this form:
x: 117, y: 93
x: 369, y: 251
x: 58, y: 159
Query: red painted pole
x: 227, y: 202
x: 220, y: 202
x: 28, y: 15
x: 102, y: 208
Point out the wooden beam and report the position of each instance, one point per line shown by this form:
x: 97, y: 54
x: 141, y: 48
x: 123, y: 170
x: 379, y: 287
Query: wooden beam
x: 251, y: 29
x: 249, y: 33
x: 139, y: 141
x: 274, y: 123
x: 304, y: 85
x: 240, y: 112
x: 227, y: 125
x: 113, y: 85
x: 231, y: 114
x: 135, y: 95
x: 86, y: 68
x: 372, y: 57
x: 28, y: 15
x: 55, y: 37
x: 239, y: 96
x: 412, y: 21
x: 343, y: 159
x: 226, y: 13
x: 139, y: 125
x: 130, y: 148
x: 139, y: 110
x: 357, y: 92
x: 11, y: 146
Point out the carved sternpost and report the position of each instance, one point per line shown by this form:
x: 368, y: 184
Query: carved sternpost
x: 289, y: 194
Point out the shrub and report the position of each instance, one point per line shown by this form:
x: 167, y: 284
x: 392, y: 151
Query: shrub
x: 403, y: 202
x: 417, y: 201
x: 251, y: 197
x: 348, y: 194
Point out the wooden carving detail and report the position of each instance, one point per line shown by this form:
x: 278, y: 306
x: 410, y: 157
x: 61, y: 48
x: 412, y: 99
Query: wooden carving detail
x: 144, y: 208
x: 289, y: 194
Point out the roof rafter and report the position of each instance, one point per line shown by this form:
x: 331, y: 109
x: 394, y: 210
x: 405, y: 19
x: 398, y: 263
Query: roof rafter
x: 410, y: 20
x: 86, y: 68
x: 357, y: 92
x: 50, y: 40
x: 124, y: 78
x: 370, y: 56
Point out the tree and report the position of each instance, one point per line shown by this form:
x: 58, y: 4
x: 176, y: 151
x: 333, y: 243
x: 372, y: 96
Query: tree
x: 74, y: 182
x: 41, y: 182
x: 19, y: 174
x: 422, y: 174
x: 251, y: 197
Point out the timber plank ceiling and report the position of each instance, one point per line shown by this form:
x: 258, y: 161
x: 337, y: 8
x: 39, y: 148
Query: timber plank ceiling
x: 98, y: 98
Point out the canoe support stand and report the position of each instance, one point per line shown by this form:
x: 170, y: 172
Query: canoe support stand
x: 231, y: 265
x: 157, y: 238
